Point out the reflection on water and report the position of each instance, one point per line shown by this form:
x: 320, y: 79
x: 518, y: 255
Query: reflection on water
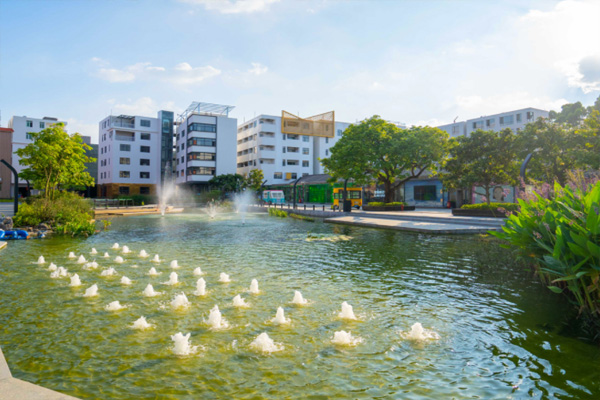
x: 498, y: 332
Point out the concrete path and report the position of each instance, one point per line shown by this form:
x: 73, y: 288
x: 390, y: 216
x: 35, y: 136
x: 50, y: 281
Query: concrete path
x: 441, y: 227
x: 7, y: 209
x: 16, y: 389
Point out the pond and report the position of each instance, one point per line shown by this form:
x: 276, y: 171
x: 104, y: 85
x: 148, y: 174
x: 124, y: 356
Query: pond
x: 500, y: 333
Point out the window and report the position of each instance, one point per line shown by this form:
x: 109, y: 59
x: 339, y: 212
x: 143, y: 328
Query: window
x: 123, y: 189
x: 339, y: 132
x: 518, y: 117
x: 293, y: 137
x: 182, y: 132
x: 305, y: 139
x: 478, y: 125
x: 202, y: 156
x: 145, y: 122
x: 490, y: 123
x: 292, y: 162
x: 124, y: 161
x: 284, y: 149
x: 42, y: 125
x: 278, y: 175
x: 508, y: 120
x: 29, y: 124
x: 144, y: 175
x: 125, y: 147
x: 305, y: 163
x: 144, y: 190
x: 529, y: 115
x: 144, y: 161
x: 28, y: 136
x: 294, y: 175
x: 326, y: 140
x: 305, y: 150
x: 425, y: 193
x: 202, y: 127
x: 145, y: 136
x: 123, y: 174
x: 145, y: 149
x: 326, y: 152
x: 202, y: 142
x: 182, y: 159
x: 283, y: 136
x: 283, y: 162
x: 200, y: 171
x: 182, y: 146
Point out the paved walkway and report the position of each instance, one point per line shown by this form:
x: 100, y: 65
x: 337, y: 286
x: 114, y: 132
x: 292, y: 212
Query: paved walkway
x: 16, y: 389
x: 7, y: 209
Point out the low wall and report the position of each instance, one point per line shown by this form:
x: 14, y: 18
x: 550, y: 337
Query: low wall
x: 300, y: 211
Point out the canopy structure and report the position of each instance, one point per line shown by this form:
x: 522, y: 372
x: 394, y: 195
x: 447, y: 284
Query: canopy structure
x: 206, y: 109
x: 322, y: 125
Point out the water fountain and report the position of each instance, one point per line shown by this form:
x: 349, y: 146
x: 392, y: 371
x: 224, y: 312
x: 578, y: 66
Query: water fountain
x: 298, y: 299
x: 81, y: 260
x: 125, y: 250
x: 41, y: 260
x: 94, y: 251
x: 115, y: 246
x: 119, y: 259
x: 52, y: 267
x: 418, y: 333
x: 75, y: 281
x: 109, y: 272
x: 72, y: 255
x: 156, y: 259
x: 345, y: 339
x: 106, y: 255
x: 347, y: 312
x: 90, y: 265
x: 143, y: 254
x: 180, y: 301
x: 198, y: 271
x: 241, y: 201
x: 172, y: 279
x: 254, y: 287
x: 125, y: 280
x: 216, y: 320
x: 154, y: 272
x: 182, y: 346
x: 224, y: 278
x: 280, y: 317
x: 91, y: 291
x: 265, y: 344
x: 239, y: 302
x: 174, y: 264
x: 211, y: 210
x: 114, y: 306
x: 150, y: 292
x: 200, y: 287
x: 167, y: 189
x: 59, y: 273
x: 141, y: 324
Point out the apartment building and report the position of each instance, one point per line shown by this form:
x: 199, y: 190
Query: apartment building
x: 515, y: 120
x: 282, y: 157
x: 22, y: 128
x: 205, y: 145
x: 133, y: 153
x: 5, y: 154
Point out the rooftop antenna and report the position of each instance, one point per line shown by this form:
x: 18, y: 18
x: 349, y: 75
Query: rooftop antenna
x: 455, y: 119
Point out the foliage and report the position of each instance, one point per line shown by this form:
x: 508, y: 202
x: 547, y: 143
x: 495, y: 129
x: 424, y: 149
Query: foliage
x: 382, y: 204
x: 378, y: 151
x: 274, y: 212
x: 228, y: 182
x: 68, y: 213
x: 301, y: 217
x: 562, y: 236
x: 485, y: 158
x: 570, y: 114
x: 105, y: 223
x: 140, y: 199
x: 55, y: 160
x: 255, y: 179
x: 211, y: 195
x: 492, y: 206
x: 588, y: 137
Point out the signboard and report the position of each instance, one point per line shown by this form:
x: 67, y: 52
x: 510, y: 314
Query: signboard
x: 322, y: 125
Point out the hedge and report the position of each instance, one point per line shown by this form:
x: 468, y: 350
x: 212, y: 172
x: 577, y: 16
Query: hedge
x: 492, y: 206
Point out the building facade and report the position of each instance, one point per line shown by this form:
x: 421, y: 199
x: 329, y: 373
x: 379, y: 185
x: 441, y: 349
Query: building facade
x: 6, y: 154
x: 131, y: 152
x: 282, y: 157
x: 205, y: 145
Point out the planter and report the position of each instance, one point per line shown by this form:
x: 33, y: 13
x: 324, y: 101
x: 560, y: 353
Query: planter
x: 462, y: 212
x: 388, y: 208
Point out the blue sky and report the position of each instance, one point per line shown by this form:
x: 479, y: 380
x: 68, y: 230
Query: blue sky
x: 418, y: 62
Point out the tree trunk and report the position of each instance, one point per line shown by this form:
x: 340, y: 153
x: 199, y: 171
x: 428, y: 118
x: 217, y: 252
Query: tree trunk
x: 487, y: 194
x: 389, y: 191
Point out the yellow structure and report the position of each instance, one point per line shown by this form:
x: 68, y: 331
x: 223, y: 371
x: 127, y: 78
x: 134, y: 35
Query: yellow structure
x: 322, y: 125
x: 354, y: 195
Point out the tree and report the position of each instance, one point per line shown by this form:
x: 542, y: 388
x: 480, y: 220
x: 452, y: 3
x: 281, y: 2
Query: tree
x: 228, y: 182
x: 588, y: 137
x: 571, y: 114
x: 554, y: 145
x: 485, y: 159
x: 378, y: 151
x: 255, y: 179
x: 55, y: 160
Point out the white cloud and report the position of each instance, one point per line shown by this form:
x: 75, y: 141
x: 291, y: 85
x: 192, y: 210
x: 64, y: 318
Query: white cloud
x: 234, y: 6
x: 181, y: 74
x: 185, y: 74
x: 258, y: 69
x: 85, y: 129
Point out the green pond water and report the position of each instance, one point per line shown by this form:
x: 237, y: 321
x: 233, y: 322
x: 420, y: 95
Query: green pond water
x: 501, y: 334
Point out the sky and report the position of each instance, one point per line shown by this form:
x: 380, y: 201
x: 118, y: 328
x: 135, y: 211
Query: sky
x: 417, y: 62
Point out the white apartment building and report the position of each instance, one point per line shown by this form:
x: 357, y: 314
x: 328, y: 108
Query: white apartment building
x: 205, y: 144
x: 22, y: 127
x: 133, y: 152
x: 281, y: 157
x: 515, y: 120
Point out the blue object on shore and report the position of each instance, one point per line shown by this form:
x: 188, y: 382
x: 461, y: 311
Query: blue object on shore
x: 18, y: 234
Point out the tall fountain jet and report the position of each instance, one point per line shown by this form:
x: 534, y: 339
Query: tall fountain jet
x: 167, y: 189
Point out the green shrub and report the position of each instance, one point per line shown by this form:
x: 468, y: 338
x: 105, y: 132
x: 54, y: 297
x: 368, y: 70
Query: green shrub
x: 302, y: 217
x: 213, y: 195
x: 562, y: 237
x: 492, y: 206
x: 67, y: 213
x: 382, y: 204
x: 140, y: 199
x: 275, y: 212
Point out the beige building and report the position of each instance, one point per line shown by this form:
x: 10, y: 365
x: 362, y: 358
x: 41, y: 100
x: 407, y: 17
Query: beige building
x: 6, y: 135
